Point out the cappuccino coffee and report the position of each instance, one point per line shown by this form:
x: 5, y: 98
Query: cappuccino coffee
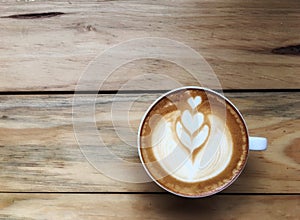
x: 193, y: 142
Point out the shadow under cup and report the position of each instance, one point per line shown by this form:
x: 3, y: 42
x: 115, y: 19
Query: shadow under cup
x: 193, y: 142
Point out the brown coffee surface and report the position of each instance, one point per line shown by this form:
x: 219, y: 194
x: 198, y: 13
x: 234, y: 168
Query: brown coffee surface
x: 192, y: 120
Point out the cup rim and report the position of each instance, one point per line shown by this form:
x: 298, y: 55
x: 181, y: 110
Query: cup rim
x: 210, y: 192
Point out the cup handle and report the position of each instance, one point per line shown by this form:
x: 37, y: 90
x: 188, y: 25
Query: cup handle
x: 258, y: 143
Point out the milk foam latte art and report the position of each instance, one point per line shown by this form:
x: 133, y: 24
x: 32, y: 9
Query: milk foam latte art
x: 193, y: 142
x: 200, y: 139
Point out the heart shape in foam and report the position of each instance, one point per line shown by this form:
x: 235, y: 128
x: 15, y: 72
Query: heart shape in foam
x: 194, y: 102
x: 187, y: 127
x: 192, y: 122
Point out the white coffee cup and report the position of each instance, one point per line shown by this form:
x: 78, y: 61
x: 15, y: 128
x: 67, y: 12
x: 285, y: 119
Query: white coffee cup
x: 255, y: 143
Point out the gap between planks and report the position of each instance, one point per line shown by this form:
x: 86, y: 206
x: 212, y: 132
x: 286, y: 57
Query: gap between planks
x: 139, y: 91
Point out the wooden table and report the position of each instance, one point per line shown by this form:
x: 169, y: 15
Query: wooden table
x: 252, y: 46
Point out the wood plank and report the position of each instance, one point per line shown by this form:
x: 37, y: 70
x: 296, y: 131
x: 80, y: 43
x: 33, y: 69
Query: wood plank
x: 41, y: 51
x: 39, y: 152
x: 136, y: 206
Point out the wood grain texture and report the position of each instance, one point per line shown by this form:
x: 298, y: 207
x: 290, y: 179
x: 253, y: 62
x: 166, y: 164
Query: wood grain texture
x: 124, y: 206
x: 39, y: 152
x: 46, y: 45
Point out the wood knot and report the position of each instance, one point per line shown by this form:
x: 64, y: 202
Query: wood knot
x: 34, y: 15
x: 288, y: 50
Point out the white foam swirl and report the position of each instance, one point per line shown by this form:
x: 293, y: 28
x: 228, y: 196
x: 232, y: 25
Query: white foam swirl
x: 212, y: 158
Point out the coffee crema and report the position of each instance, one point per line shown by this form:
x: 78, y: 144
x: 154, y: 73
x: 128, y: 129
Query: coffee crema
x: 193, y: 142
